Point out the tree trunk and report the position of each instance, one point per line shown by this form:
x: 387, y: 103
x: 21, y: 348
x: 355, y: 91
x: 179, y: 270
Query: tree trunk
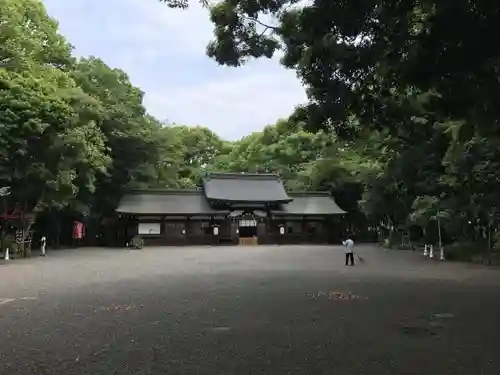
x: 25, y: 247
x: 3, y: 223
x: 57, y: 242
x: 3, y: 235
x: 489, y: 244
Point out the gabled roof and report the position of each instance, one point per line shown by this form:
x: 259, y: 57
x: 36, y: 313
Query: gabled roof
x: 245, y: 187
x: 310, y: 203
x: 174, y: 202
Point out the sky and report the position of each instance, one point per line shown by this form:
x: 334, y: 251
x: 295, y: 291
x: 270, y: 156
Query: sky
x: 163, y: 52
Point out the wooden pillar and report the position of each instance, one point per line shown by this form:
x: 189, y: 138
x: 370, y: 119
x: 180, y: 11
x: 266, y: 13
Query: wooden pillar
x: 304, y: 235
x: 185, y: 228
x: 325, y: 233
x: 270, y: 228
x: 163, y: 229
x: 116, y: 235
x: 123, y: 232
x: 331, y: 226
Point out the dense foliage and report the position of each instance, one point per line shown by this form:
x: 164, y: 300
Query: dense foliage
x: 405, y: 84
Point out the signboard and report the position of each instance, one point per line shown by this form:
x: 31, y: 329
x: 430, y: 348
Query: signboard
x: 145, y: 228
x: 248, y: 223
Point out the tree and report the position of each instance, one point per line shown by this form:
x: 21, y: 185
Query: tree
x: 52, y: 149
x: 131, y: 136
x: 352, y: 56
x: 170, y: 157
x: 284, y: 148
x: 200, y: 147
x: 29, y: 36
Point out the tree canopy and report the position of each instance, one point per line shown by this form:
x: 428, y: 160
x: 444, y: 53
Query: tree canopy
x: 353, y: 57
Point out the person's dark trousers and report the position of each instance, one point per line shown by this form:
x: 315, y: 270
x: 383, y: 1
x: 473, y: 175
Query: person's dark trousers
x: 349, y: 257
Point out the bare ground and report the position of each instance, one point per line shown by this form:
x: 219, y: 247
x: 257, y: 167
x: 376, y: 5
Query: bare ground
x: 241, y: 310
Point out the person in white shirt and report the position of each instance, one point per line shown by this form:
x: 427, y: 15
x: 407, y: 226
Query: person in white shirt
x: 349, y: 251
x: 43, y: 244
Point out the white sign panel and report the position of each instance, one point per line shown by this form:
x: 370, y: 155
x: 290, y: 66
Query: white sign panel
x: 149, y: 228
x: 248, y: 223
x: 216, y: 231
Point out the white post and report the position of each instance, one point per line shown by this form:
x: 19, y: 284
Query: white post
x: 441, y: 253
x: 6, y: 257
x: 42, y: 246
x: 439, y: 234
x: 426, y: 250
x: 489, y: 239
x: 431, y: 251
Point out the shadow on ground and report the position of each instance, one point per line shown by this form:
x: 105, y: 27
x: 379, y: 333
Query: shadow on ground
x: 269, y: 310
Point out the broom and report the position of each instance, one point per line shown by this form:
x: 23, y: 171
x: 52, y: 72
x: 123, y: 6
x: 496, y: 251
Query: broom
x: 361, y: 259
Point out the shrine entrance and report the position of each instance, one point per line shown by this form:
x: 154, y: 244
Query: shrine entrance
x: 247, y: 231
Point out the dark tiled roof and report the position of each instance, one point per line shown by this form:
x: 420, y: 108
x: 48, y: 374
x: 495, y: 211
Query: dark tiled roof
x: 313, y: 203
x: 245, y: 187
x: 165, y: 202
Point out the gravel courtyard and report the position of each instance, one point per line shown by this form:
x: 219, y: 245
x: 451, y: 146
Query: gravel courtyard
x: 247, y: 310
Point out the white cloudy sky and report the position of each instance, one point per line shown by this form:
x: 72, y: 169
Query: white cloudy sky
x: 163, y: 51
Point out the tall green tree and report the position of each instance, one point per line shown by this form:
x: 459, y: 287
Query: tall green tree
x: 351, y: 56
x: 29, y: 36
x: 52, y: 150
x: 130, y: 134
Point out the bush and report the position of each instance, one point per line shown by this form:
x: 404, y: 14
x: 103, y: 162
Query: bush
x: 465, y: 251
x: 393, y: 241
x: 9, y: 242
x: 496, y: 241
x: 137, y: 242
